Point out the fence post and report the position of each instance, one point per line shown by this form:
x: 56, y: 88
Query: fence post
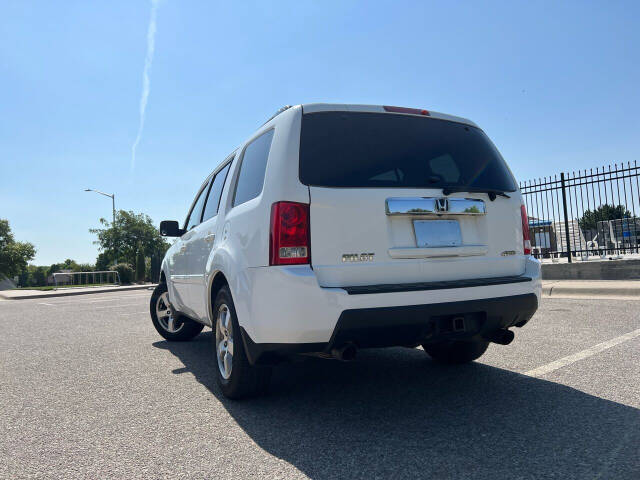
x: 566, y: 219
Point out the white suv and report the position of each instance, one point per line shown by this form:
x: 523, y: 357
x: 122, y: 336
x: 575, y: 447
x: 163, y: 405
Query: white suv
x: 339, y: 227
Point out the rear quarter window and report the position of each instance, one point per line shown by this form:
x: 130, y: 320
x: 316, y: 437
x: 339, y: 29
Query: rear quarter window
x: 252, y: 169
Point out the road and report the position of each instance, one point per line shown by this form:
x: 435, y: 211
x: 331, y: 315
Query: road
x: 89, y: 390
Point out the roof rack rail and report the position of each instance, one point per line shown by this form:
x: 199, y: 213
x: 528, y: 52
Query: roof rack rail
x: 280, y: 110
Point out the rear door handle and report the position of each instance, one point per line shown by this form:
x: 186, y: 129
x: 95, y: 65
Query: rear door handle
x: 210, y: 238
x: 183, y: 249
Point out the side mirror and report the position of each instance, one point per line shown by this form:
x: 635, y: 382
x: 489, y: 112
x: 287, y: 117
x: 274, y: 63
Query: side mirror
x: 170, y: 228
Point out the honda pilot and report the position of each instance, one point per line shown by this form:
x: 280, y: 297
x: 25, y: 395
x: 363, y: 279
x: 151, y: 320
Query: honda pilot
x: 334, y: 228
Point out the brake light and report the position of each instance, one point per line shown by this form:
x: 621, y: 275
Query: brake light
x: 412, y: 111
x: 526, y: 239
x: 289, y: 242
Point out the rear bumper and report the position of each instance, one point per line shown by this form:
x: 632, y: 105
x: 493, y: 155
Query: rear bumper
x: 409, y: 326
x: 284, y: 309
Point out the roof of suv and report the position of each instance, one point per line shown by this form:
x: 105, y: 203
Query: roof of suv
x: 345, y: 107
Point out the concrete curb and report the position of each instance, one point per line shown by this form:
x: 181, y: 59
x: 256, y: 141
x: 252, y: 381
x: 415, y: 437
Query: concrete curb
x: 71, y: 292
x: 592, y: 289
x: 618, y: 270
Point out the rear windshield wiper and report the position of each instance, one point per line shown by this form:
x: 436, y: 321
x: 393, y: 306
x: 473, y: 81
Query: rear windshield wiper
x: 492, y: 193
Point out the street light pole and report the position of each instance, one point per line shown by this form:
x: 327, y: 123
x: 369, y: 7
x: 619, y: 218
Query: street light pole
x: 113, y: 205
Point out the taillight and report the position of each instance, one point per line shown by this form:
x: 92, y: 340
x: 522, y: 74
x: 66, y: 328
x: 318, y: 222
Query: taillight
x: 290, y: 242
x: 526, y: 239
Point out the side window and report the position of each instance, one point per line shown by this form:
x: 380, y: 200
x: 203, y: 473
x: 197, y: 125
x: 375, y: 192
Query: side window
x: 252, y: 168
x: 196, y: 211
x: 215, y: 192
x: 445, y: 167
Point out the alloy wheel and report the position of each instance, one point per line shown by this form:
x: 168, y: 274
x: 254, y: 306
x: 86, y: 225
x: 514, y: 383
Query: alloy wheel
x: 224, y: 341
x: 166, y: 317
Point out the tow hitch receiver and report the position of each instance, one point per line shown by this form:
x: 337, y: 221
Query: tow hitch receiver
x: 458, y: 324
x: 452, y: 324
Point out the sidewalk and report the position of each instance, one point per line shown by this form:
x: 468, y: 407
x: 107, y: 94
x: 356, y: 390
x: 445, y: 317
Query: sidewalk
x: 620, y: 289
x: 64, y: 292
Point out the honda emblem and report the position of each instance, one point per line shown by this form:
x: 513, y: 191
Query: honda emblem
x: 442, y: 205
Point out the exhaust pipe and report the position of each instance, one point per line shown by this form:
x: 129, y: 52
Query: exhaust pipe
x: 501, y: 337
x: 345, y: 353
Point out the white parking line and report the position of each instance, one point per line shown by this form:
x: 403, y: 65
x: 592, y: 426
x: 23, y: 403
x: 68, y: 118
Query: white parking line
x: 115, y: 299
x: 568, y: 360
x: 87, y: 302
x: 75, y: 302
x: 117, y: 306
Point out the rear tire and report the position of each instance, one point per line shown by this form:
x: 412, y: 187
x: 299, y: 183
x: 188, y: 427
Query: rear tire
x: 457, y: 351
x: 173, y: 327
x: 236, y: 377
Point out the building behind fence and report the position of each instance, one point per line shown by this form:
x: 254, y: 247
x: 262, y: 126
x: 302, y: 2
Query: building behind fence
x: 585, y: 213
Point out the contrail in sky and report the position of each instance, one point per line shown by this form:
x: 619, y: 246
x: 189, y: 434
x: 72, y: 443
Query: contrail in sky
x: 151, y: 45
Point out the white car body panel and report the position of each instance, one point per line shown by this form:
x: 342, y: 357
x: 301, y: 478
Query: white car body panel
x: 358, y: 217
x: 302, y: 303
x: 311, y: 311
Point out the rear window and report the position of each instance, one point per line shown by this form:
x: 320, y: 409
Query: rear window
x: 368, y: 150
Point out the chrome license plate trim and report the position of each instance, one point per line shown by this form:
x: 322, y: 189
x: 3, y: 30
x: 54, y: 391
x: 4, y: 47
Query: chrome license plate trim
x: 419, y: 206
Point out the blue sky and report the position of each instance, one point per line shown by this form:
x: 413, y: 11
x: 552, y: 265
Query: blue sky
x: 555, y: 85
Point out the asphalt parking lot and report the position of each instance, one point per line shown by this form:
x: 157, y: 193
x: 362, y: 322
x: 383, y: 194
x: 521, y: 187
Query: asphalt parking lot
x: 89, y: 390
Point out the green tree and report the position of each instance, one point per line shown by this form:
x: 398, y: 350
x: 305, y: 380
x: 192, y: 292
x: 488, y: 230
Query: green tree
x: 133, y: 234
x: 14, y: 256
x: 104, y: 261
x: 33, y: 276
x: 84, y: 267
x: 590, y: 219
x: 38, y: 275
x: 55, y: 267
x: 69, y: 264
x: 72, y: 265
x: 124, y: 271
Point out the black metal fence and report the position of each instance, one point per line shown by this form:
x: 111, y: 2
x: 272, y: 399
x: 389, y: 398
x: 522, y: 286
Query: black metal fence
x: 585, y: 213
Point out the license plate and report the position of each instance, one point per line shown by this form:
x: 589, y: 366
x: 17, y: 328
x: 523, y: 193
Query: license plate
x: 437, y: 233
